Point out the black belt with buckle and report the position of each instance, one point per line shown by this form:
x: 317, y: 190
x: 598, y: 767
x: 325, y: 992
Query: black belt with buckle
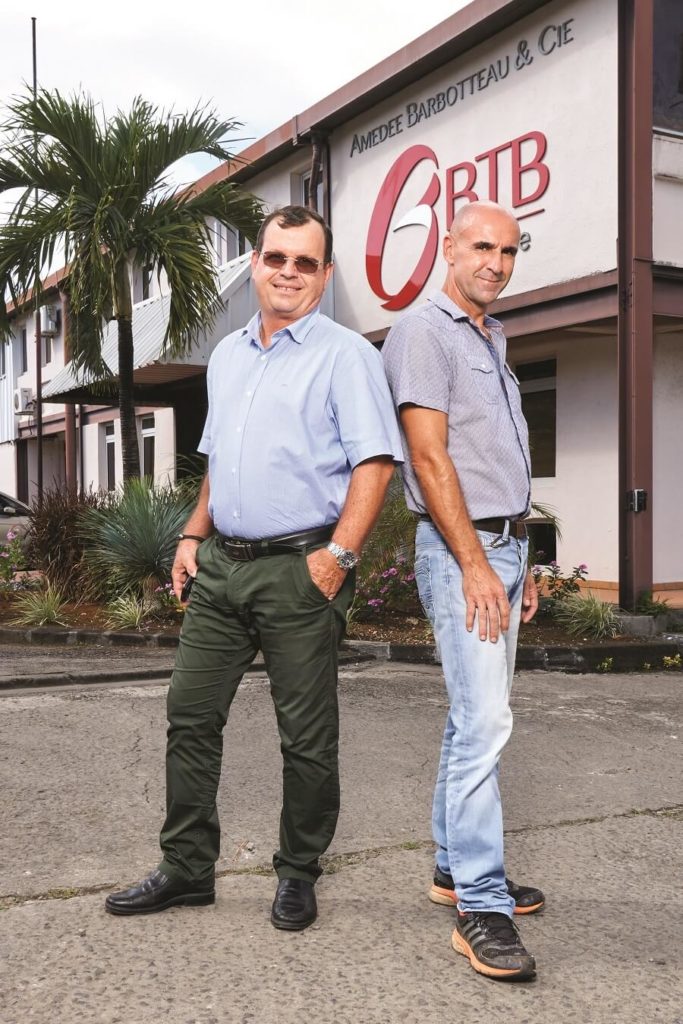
x: 517, y: 527
x: 247, y: 550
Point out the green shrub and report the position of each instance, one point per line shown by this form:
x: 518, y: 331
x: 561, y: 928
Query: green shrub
x: 129, y: 545
x: 128, y: 612
x: 39, y: 607
x: 54, y: 542
x: 646, y: 605
x: 587, y: 616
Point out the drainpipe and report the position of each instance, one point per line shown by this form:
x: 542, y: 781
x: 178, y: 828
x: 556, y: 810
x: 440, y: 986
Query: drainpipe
x: 318, y: 146
x: 69, y: 410
x: 635, y: 318
x: 81, y: 453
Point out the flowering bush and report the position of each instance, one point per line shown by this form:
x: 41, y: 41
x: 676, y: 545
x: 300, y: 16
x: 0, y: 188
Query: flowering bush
x: 392, y: 588
x: 552, y: 584
x: 11, y: 559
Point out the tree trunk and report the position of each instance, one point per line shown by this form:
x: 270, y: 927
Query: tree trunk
x: 129, y: 435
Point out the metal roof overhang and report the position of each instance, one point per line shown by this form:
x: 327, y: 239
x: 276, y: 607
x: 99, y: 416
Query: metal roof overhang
x: 152, y: 369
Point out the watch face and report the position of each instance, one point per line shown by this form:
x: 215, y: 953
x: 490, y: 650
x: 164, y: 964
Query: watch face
x: 347, y: 560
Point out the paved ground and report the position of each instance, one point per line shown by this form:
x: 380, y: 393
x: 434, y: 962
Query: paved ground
x: 592, y: 788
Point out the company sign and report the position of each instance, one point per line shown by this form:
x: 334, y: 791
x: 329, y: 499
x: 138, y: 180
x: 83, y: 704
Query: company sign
x: 467, y: 181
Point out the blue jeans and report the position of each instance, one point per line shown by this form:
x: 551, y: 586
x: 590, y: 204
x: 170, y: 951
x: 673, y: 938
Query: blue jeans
x: 467, y: 818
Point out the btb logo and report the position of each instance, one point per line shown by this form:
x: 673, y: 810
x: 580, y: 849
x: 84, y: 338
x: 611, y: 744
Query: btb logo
x: 521, y: 160
x: 380, y: 223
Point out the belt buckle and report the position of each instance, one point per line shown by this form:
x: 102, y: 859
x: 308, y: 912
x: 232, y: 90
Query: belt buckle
x: 240, y: 552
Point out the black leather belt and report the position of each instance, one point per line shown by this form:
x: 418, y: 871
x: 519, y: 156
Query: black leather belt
x: 247, y: 550
x: 517, y: 528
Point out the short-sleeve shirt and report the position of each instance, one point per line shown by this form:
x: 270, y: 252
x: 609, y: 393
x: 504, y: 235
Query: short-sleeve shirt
x: 287, y: 425
x: 436, y: 357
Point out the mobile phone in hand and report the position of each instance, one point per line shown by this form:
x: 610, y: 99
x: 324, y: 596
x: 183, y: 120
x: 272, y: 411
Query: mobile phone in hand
x: 185, y: 592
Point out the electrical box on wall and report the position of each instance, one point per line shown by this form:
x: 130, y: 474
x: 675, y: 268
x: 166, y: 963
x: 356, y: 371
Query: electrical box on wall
x: 49, y: 320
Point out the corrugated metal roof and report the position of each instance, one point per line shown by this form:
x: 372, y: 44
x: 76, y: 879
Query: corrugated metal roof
x: 150, y: 319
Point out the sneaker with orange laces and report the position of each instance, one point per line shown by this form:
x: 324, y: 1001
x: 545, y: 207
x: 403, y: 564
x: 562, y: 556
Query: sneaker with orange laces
x: 528, y: 899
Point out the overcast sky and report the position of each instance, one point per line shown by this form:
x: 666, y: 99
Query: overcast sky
x: 257, y: 61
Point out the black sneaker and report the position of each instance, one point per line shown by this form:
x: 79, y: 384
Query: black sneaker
x: 528, y: 899
x: 492, y: 945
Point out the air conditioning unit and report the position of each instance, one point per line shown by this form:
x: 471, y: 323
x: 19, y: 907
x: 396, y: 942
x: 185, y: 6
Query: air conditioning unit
x: 23, y: 401
x: 49, y: 323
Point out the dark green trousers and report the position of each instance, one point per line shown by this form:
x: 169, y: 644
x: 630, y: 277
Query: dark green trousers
x: 236, y: 609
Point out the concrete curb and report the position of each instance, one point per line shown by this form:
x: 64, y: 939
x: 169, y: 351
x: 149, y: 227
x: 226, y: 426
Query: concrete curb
x: 633, y: 657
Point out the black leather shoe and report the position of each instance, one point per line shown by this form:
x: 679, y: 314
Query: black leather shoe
x: 158, y: 892
x: 294, y: 906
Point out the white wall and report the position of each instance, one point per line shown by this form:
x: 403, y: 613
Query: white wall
x: 667, y: 200
x: 667, y: 488
x: 164, y: 446
x: 569, y: 95
x: 274, y: 186
x: 584, y: 491
x: 8, y: 469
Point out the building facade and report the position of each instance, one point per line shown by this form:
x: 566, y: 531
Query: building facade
x: 569, y: 112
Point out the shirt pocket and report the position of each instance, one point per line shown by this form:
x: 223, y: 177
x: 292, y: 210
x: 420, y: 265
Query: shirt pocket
x: 486, y: 383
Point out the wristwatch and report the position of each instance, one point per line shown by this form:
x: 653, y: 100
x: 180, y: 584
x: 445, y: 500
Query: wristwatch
x: 346, y: 559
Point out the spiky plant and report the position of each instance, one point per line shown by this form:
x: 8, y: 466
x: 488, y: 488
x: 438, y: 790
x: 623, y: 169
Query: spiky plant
x: 40, y: 607
x: 128, y: 612
x: 587, y: 616
x: 129, y: 546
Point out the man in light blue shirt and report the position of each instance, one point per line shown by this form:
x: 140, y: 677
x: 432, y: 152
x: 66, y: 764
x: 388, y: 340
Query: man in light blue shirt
x: 301, y: 439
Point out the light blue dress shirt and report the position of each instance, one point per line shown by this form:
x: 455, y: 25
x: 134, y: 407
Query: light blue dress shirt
x: 287, y: 425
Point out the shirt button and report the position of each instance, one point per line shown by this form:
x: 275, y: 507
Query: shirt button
x: 239, y: 430
x: 249, y: 394
x: 235, y: 515
x: 234, y: 469
x: 262, y: 358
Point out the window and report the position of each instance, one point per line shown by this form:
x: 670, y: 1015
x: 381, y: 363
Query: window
x: 110, y: 448
x: 147, y: 427
x: 47, y: 349
x: 300, y: 189
x: 23, y: 351
x: 542, y: 541
x: 3, y: 359
x: 537, y: 386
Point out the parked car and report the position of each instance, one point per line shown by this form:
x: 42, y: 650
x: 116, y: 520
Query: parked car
x: 14, y: 515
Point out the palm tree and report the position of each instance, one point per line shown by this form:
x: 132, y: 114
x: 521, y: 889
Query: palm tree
x: 99, y: 187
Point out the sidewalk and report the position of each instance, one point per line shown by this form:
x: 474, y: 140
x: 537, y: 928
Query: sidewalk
x: 592, y: 794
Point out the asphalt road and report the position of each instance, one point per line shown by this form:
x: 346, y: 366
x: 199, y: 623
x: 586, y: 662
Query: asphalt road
x: 594, y: 815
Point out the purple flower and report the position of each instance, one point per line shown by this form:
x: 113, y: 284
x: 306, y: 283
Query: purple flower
x: 554, y: 564
x: 583, y: 567
x: 4, y: 554
x: 375, y: 602
x: 409, y: 577
x: 11, y: 534
x: 383, y: 590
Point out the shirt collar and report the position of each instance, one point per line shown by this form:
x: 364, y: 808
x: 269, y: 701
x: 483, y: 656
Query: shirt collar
x: 298, y: 330
x: 445, y: 303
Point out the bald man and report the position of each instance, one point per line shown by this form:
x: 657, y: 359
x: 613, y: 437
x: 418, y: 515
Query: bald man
x: 467, y: 477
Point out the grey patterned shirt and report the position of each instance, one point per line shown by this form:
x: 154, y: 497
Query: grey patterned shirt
x: 437, y: 358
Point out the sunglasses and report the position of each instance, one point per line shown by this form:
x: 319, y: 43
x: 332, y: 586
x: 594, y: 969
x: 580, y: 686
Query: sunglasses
x: 303, y: 264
